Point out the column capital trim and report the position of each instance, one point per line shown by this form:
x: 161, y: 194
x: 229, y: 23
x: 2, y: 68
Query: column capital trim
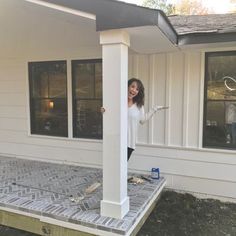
x: 115, y: 37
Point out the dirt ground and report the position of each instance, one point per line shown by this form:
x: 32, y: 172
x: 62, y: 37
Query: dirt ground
x: 180, y: 215
x: 184, y: 215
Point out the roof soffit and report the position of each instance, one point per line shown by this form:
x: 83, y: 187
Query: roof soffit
x: 112, y: 14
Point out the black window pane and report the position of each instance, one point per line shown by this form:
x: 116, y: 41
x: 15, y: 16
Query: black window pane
x: 221, y: 74
x: 87, y: 98
x: 89, y: 119
x: 98, y: 80
x: 84, y: 80
x: 39, y: 82
x: 48, y: 98
x: 215, y: 124
x: 57, y: 86
x: 220, y: 101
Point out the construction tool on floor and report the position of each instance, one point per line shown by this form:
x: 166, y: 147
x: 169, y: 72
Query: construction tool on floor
x: 88, y: 191
x: 76, y: 199
x: 92, y: 188
x: 146, y: 178
x: 135, y: 180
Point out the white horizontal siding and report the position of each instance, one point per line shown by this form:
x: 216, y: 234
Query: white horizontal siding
x: 12, y: 99
x: 61, y: 154
x: 19, y: 124
x: 8, y: 111
x: 20, y: 137
x: 12, y: 86
x: 223, y: 190
x: 192, y: 163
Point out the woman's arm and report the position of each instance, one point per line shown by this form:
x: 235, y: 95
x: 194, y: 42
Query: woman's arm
x: 144, y: 117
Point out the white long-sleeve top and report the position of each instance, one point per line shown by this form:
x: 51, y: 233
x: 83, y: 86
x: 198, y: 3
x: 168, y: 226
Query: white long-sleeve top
x: 135, y: 116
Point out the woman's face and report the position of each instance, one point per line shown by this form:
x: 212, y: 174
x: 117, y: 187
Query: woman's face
x: 133, y: 90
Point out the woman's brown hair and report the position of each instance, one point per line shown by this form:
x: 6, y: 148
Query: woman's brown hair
x: 139, y: 99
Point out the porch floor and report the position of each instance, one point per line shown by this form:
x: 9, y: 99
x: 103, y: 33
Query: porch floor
x: 45, y: 191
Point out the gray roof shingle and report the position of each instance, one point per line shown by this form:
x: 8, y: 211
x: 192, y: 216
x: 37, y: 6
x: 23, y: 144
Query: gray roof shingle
x: 213, y: 23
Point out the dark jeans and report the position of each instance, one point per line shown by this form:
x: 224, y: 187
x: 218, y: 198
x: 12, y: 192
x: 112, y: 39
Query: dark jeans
x: 129, y: 152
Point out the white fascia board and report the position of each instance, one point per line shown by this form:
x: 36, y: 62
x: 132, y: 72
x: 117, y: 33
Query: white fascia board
x: 64, y: 9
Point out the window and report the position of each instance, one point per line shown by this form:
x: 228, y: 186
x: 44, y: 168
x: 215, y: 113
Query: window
x: 220, y: 100
x: 87, y: 98
x: 48, y: 98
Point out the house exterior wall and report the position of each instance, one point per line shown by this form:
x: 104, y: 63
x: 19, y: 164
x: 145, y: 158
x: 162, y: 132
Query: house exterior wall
x: 172, y: 140
x: 15, y: 138
x: 41, y: 35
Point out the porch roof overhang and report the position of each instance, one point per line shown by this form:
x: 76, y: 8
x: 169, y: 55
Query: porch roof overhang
x: 111, y: 14
x: 150, y: 30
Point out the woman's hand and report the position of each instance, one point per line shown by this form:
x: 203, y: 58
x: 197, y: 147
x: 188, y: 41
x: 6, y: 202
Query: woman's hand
x: 156, y: 108
x: 102, y: 110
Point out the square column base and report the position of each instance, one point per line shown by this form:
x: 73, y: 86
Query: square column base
x: 115, y: 209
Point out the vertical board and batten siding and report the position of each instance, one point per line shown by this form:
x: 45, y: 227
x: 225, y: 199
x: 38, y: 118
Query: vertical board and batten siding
x: 158, y: 68
x: 140, y: 69
x: 171, y: 80
x: 172, y: 140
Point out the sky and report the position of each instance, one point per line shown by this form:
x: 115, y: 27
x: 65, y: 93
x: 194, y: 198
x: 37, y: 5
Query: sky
x: 218, y: 6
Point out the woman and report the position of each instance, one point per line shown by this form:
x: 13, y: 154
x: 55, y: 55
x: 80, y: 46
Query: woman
x: 136, y: 112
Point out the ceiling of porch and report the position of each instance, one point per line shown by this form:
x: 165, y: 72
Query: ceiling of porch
x: 27, y: 29
x: 149, y: 39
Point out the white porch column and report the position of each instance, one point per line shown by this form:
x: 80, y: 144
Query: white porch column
x: 115, y: 45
